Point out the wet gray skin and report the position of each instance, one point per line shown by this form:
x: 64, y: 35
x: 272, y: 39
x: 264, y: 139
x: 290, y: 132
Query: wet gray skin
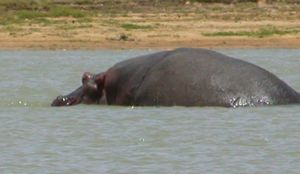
x: 183, y: 77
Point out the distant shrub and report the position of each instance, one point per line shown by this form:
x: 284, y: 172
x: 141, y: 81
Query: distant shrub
x: 83, y: 1
x: 262, y: 32
x: 61, y: 11
x: 135, y: 26
x: 24, y: 4
x: 27, y: 14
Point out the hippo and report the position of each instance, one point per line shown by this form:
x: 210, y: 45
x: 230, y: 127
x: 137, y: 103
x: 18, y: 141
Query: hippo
x: 182, y: 77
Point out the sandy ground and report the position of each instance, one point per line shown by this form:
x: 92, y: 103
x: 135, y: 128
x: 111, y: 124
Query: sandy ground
x: 163, y: 32
x: 220, y: 42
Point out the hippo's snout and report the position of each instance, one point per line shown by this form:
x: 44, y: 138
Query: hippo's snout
x: 58, y: 101
x: 64, y: 101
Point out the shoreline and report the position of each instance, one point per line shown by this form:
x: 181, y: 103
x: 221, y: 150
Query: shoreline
x: 244, y: 25
x: 216, y: 42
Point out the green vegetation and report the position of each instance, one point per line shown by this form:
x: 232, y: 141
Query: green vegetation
x: 24, y: 4
x: 16, y: 11
x: 61, y: 11
x: 11, y: 10
x: 262, y: 32
x: 133, y: 15
x: 128, y: 26
x: 27, y: 14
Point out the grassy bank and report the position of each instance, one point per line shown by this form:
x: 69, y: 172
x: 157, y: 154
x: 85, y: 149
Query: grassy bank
x: 134, y: 23
x: 266, y: 31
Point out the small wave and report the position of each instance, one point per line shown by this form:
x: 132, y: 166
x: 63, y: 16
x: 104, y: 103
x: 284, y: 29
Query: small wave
x: 19, y: 103
x: 24, y: 103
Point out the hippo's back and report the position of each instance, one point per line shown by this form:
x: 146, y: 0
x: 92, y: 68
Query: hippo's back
x: 199, y: 77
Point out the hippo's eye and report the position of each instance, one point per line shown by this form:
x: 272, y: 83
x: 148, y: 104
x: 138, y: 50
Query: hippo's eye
x: 86, y: 76
x: 83, y: 80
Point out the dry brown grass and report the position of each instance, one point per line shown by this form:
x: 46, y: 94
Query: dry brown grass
x: 198, y: 25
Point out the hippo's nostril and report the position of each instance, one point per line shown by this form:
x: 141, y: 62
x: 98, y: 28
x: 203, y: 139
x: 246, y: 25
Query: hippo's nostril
x: 60, y: 97
x: 57, y: 101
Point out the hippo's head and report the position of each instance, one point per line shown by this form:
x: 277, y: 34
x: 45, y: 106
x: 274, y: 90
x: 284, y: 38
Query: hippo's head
x: 89, y: 93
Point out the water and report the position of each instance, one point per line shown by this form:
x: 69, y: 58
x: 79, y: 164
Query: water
x: 36, y: 138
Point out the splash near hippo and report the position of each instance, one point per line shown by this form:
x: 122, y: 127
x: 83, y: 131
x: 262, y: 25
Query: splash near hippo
x: 182, y: 77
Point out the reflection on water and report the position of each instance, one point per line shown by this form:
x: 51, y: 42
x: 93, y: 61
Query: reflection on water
x: 36, y: 138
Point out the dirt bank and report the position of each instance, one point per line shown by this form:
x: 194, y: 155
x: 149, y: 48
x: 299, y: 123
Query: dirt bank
x: 217, y: 27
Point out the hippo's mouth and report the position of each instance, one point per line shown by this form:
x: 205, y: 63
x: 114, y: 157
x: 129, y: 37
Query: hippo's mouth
x: 73, y: 98
x: 66, y: 101
x: 87, y: 94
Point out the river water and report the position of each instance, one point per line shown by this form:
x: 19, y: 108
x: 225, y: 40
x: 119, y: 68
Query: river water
x: 38, y: 139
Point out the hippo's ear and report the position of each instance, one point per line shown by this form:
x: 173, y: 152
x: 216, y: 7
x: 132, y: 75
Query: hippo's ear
x: 99, y: 79
x: 87, y: 76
